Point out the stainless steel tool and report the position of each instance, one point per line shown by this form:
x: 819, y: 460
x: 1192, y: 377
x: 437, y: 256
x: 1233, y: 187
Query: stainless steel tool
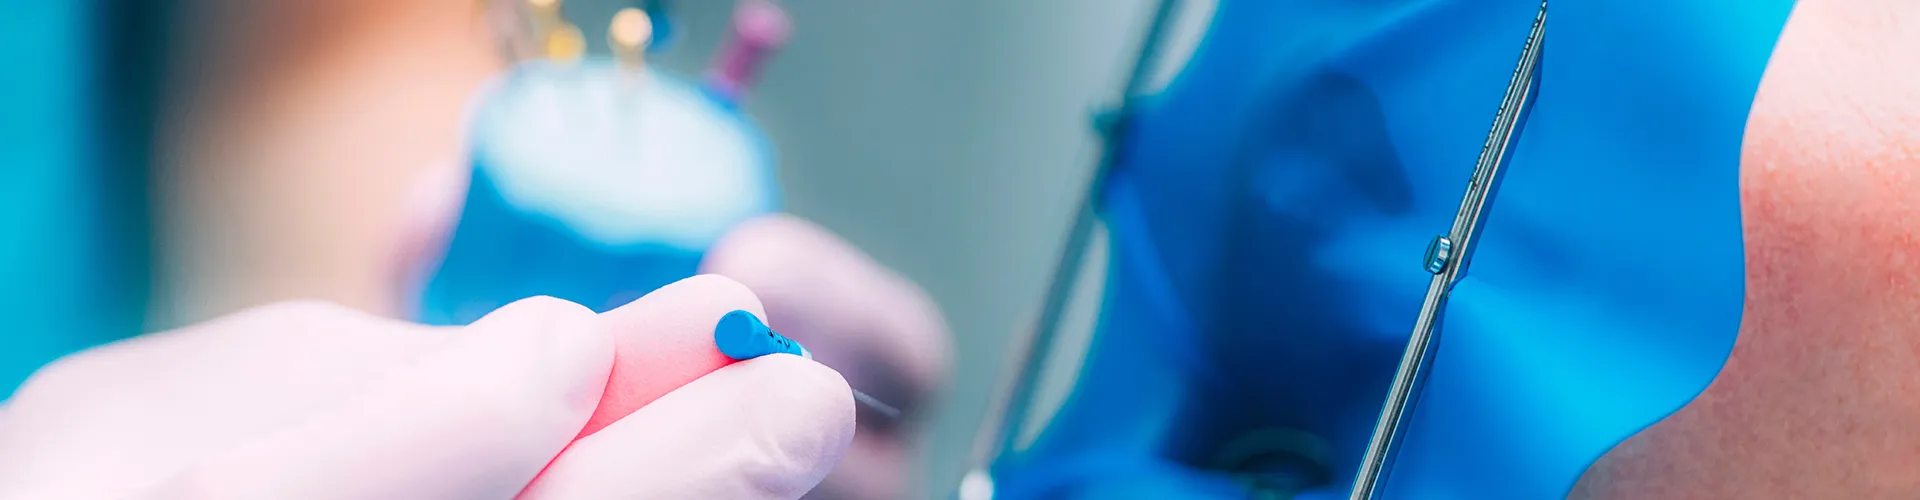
x: 1447, y: 259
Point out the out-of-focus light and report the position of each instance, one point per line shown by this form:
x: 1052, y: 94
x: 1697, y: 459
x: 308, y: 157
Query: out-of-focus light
x: 565, y: 43
x: 629, y: 35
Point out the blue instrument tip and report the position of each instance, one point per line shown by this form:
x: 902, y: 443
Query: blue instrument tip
x: 742, y: 336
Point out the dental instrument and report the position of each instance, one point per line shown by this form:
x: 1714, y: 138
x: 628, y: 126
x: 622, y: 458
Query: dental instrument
x: 742, y: 336
x: 1447, y: 259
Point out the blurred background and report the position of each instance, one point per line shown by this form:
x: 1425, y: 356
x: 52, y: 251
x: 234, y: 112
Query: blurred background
x: 231, y: 153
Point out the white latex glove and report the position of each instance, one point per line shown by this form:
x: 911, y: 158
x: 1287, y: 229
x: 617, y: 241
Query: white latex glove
x: 306, y: 400
x: 872, y: 325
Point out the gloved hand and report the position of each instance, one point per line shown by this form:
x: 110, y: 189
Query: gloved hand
x: 871, y: 325
x: 306, y: 400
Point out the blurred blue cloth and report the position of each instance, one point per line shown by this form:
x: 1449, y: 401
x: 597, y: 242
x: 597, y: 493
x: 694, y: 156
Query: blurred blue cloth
x: 596, y: 186
x: 66, y: 234
x: 1270, y: 210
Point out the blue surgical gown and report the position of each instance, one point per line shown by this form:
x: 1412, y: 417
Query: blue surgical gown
x: 1269, y: 212
x: 73, y: 97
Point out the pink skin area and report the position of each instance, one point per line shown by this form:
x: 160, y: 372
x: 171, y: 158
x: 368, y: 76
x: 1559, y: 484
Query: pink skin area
x: 668, y: 355
x: 1821, y: 396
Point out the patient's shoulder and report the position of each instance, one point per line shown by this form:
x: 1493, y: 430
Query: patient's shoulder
x: 1816, y: 400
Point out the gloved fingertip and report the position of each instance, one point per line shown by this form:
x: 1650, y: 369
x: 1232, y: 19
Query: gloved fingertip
x: 562, y: 339
x: 767, y: 428
x: 665, y: 340
x: 807, y: 411
x: 554, y: 324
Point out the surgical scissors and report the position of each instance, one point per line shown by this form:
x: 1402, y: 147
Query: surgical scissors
x: 1447, y: 259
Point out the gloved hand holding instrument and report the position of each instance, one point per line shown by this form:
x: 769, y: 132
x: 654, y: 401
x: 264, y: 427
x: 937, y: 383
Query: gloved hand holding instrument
x: 541, y: 399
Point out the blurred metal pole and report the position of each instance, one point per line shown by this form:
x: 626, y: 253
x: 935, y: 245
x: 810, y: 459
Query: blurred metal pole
x: 1001, y: 433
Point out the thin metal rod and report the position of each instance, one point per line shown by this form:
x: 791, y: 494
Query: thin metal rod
x: 1456, y: 252
x: 885, y: 410
x: 1001, y: 432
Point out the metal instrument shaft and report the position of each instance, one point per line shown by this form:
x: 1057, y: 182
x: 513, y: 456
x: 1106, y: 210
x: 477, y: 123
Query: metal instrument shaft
x: 1447, y: 259
x: 884, y: 409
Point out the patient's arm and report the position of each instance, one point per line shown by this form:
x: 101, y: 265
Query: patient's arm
x: 1821, y: 397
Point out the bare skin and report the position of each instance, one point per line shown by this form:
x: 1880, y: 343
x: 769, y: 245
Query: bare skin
x: 297, y: 131
x: 1821, y: 396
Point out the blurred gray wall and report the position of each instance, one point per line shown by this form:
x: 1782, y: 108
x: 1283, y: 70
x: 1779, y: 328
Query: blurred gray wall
x: 947, y: 138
